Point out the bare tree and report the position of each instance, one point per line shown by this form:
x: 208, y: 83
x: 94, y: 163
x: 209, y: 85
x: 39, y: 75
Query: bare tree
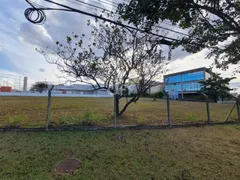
x: 109, y: 59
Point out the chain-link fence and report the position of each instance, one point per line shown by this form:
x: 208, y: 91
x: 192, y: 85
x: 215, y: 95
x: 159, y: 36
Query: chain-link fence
x: 146, y: 111
x: 57, y: 109
x: 22, y: 109
x: 81, y: 111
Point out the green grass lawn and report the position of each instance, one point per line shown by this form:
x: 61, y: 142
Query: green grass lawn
x: 31, y: 112
x: 190, y: 153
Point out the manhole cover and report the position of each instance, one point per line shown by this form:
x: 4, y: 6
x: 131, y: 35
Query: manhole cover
x: 68, y: 166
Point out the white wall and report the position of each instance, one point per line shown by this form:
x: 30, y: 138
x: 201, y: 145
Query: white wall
x: 155, y: 89
x: 132, y: 89
x: 207, y: 75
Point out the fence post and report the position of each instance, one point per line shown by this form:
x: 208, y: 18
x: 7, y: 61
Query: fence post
x: 226, y: 119
x: 238, y: 110
x: 49, y: 106
x: 207, y: 106
x: 168, y: 110
x: 115, y: 111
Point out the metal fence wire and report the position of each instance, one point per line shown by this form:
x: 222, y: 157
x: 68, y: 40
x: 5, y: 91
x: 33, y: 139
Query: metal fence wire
x: 88, y: 109
x: 23, y: 110
x: 67, y: 109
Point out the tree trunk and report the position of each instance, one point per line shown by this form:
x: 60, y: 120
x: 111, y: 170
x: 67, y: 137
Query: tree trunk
x: 154, y: 98
x: 116, y: 99
x: 134, y: 99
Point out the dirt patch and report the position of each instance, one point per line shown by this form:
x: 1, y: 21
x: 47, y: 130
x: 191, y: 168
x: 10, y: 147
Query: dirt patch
x: 68, y: 166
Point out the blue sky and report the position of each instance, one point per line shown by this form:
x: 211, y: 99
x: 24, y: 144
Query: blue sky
x: 19, y: 38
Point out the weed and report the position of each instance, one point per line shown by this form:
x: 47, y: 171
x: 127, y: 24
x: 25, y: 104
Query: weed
x: 67, y: 120
x: 90, y: 119
x: 16, y: 120
x: 87, y: 118
x: 141, y: 120
x: 191, y: 117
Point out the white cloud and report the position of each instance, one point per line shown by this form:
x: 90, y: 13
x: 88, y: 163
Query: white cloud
x: 35, y: 35
x: 191, y: 61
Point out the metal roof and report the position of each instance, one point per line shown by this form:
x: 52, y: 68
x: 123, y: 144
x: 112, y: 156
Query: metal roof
x: 188, y: 71
x: 76, y: 87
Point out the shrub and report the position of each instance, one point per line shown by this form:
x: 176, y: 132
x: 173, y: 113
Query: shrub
x: 153, y: 95
x: 141, y: 120
x: 160, y: 94
x: 88, y: 118
x: 145, y: 94
x: 191, y: 117
x: 16, y: 120
x: 68, y: 120
x: 132, y: 94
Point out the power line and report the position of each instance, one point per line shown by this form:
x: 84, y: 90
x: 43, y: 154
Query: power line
x: 33, y: 4
x: 81, y: 4
x: 165, y: 28
x: 70, y: 9
x: 108, y: 3
x: 92, y: 5
x: 29, y: 13
x: 172, y: 30
x: 89, y: 7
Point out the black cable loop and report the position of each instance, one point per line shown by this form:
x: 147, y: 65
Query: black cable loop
x: 40, y: 15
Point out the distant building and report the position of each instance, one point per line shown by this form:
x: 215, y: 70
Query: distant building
x: 81, y: 89
x: 185, y: 85
x: 25, y: 81
x: 155, y: 87
x: 5, y: 89
x: 132, y: 89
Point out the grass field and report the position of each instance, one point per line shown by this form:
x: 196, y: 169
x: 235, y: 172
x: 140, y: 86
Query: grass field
x: 31, y: 112
x: 190, y: 153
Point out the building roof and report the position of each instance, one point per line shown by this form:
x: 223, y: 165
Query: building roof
x: 76, y: 87
x: 188, y: 71
x: 156, y: 83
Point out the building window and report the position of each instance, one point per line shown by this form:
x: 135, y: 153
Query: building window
x: 173, y: 79
x: 191, y: 87
x: 194, y: 76
x: 173, y: 87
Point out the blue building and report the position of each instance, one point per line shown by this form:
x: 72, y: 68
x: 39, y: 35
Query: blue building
x: 185, y: 85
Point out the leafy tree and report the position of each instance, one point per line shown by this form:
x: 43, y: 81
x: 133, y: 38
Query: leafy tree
x: 39, y: 87
x: 109, y: 58
x: 216, y: 86
x: 208, y: 22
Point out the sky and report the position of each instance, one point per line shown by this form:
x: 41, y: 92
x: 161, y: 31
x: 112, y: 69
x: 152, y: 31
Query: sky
x: 19, y: 39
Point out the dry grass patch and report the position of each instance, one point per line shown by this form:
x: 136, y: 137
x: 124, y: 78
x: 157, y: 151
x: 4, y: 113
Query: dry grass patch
x: 31, y: 112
